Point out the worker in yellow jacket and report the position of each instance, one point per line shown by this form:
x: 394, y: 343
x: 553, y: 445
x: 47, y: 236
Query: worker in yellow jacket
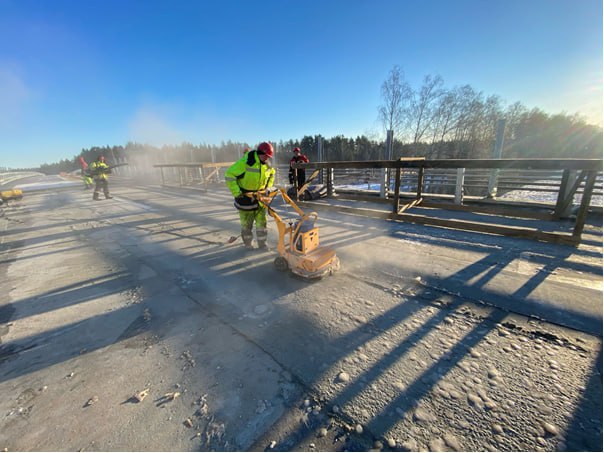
x: 251, y: 173
x: 99, y: 171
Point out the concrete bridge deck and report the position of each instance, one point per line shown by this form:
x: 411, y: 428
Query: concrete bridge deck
x: 427, y: 338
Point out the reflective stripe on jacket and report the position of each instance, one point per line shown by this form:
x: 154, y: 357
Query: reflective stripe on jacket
x: 248, y: 174
x: 99, y: 170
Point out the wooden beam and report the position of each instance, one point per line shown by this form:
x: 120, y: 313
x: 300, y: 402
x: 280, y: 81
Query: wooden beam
x: 420, y: 183
x: 523, y: 164
x: 409, y: 205
x: 493, y: 209
x: 565, y: 198
x: 195, y: 165
x: 212, y: 173
x: 584, y: 207
x: 527, y: 233
x: 397, y: 189
x: 479, y: 206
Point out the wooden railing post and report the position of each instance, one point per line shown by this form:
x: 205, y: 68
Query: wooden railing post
x: 330, y: 188
x: 461, y: 172
x: 497, y: 153
x: 584, y: 207
x: 297, y: 197
x: 568, y: 187
x: 420, y: 182
x: 397, y: 189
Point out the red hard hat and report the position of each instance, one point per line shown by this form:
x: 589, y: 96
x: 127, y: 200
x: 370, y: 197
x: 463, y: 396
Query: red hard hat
x: 296, y: 150
x: 266, y: 148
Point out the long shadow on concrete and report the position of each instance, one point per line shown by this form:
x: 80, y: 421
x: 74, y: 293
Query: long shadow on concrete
x: 237, y: 290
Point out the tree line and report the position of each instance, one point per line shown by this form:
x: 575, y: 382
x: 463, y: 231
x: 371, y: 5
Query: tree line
x: 429, y: 121
x: 438, y: 122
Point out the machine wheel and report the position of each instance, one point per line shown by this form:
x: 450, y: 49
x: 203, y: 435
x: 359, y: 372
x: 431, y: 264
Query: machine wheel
x: 281, y: 263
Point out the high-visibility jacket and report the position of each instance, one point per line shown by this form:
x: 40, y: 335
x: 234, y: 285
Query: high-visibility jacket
x: 99, y: 170
x: 248, y: 174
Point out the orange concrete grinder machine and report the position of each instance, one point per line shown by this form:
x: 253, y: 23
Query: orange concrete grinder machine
x: 298, y: 246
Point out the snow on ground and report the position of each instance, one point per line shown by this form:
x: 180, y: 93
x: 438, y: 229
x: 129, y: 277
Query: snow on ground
x: 515, y: 195
x: 545, y: 197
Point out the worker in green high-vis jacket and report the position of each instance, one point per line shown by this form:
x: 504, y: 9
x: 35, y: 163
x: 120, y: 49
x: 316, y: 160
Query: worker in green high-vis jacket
x: 252, y: 173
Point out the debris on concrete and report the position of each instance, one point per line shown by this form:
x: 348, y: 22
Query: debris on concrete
x: 172, y: 395
x: 426, y: 364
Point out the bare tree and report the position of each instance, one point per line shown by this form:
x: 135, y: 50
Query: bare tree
x: 446, y: 115
x: 467, y: 126
x: 423, y: 106
x: 513, y: 116
x: 491, y: 113
x: 396, y: 94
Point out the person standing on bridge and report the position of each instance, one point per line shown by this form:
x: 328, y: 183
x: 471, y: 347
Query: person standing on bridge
x: 100, y: 171
x: 251, y: 173
x: 298, y: 158
x: 85, y: 174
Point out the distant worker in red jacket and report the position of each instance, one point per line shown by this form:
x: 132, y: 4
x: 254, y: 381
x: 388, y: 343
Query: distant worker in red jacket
x: 298, y: 158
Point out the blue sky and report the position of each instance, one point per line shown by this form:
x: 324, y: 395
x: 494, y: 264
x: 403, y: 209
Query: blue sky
x: 83, y: 73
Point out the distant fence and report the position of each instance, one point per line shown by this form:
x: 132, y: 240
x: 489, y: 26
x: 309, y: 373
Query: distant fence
x: 11, y: 176
x: 194, y: 174
x: 203, y: 174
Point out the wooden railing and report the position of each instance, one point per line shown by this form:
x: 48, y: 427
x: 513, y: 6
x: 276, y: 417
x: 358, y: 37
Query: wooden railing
x: 578, y: 180
x: 194, y: 173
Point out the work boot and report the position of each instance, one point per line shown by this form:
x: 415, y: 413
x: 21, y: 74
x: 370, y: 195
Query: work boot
x: 247, y: 237
x: 262, y: 245
x: 107, y: 197
x: 95, y: 196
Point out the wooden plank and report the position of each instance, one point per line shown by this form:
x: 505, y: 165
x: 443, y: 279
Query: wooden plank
x: 409, y: 205
x: 584, y: 207
x: 397, y: 190
x: 561, y: 192
x: 497, y: 210
x: 420, y: 183
x: 208, y: 177
x: 522, y: 210
x: 523, y: 164
x: 563, y: 204
x: 195, y: 165
x: 527, y: 233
